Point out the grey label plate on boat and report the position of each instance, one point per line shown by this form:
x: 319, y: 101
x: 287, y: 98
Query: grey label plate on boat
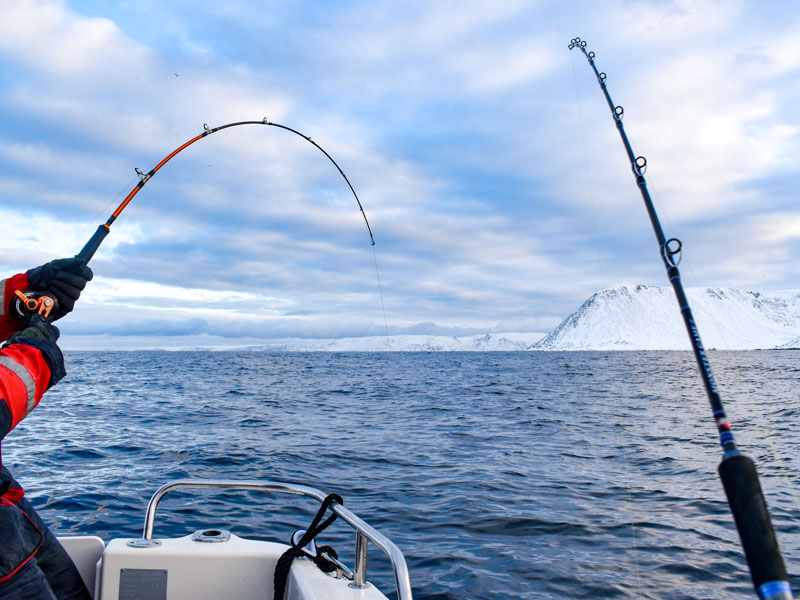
x: 142, y: 584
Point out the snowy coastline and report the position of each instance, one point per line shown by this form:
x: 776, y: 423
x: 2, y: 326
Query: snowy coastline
x: 625, y: 318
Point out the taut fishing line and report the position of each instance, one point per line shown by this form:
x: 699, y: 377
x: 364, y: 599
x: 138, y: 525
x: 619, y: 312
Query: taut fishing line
x: 100, y: 212
x: 380, y: 292
x: 630, y: 504
x: 588, y: 174
x: 737, y: 471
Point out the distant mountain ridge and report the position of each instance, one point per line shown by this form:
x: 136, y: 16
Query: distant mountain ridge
x: 648, y: 318
x: 638, y: 317
x: 489, y: 342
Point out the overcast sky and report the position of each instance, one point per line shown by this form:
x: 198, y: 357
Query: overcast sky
x: 482, y: 150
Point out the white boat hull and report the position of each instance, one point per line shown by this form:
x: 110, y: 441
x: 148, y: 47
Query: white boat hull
x: 185, y: 569
x: 213, y: 564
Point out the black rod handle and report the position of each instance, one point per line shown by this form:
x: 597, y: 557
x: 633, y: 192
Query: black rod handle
x: 87, y: 252
x: 746, y: 499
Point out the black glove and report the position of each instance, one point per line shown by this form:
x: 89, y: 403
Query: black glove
x: 65, y: 278
x: 42, y: 335
x: 36, y: 328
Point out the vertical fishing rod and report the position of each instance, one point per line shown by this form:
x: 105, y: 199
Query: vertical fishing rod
x: 737, y: 471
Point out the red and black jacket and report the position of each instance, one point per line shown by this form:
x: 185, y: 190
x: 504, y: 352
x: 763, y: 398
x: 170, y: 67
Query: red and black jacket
x: 27, y: 370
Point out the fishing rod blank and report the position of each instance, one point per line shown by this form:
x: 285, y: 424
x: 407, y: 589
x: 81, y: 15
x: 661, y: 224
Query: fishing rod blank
x: 88, y: 251
x: 737, y: 471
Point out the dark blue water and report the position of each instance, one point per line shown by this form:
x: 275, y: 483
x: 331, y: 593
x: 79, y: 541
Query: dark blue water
x: 499, y: 475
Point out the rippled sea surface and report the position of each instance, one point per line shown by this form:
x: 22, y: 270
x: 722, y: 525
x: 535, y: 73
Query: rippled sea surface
x: 499, y: 475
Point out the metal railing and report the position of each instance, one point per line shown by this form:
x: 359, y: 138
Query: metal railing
x: 364, y: 531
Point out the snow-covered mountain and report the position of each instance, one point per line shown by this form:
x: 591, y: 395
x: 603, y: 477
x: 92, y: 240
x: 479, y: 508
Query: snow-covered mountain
x: 489, y: 342
x: 626, y: 318
x: 648, y: 318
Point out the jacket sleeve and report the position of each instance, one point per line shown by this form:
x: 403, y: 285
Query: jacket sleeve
x: 10, y: 324
x: 24, y: 377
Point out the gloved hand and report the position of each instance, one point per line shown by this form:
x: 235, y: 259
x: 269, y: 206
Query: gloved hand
x: 65, y: 278
x: 42, y: 335
x: 38, y: 329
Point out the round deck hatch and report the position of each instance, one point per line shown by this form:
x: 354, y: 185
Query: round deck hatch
x: 211, y: 536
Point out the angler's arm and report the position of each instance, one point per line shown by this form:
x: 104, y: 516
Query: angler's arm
x: 25, y: 375
x: 31, y: 362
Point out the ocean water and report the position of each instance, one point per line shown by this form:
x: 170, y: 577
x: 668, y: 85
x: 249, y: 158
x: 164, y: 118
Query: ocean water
x: 500, y: 475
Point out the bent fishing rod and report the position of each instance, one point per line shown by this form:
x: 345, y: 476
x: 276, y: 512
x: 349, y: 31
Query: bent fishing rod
x: 737, y: 471
x: 103, y: 230
x: 43, y: 303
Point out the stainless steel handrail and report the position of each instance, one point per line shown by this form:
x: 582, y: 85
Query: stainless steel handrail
x: 364, y: 531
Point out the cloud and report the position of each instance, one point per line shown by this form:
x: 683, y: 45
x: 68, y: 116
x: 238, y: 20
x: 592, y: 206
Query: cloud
x: 44, y: 35
x: 667, y: 21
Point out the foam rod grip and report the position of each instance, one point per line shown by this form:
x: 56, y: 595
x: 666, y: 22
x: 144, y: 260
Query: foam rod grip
x: 87, y: 252
x: 740, y: 480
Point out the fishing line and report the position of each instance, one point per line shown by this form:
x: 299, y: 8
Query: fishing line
x: 626, y: 463
x: 588, y: 175
x: 380, y: 292
x: 102, y: 211
x: 737, y: 471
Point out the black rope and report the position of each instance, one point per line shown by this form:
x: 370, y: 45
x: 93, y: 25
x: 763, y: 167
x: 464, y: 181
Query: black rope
x: 285, y: 561
x: 323, y: 562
